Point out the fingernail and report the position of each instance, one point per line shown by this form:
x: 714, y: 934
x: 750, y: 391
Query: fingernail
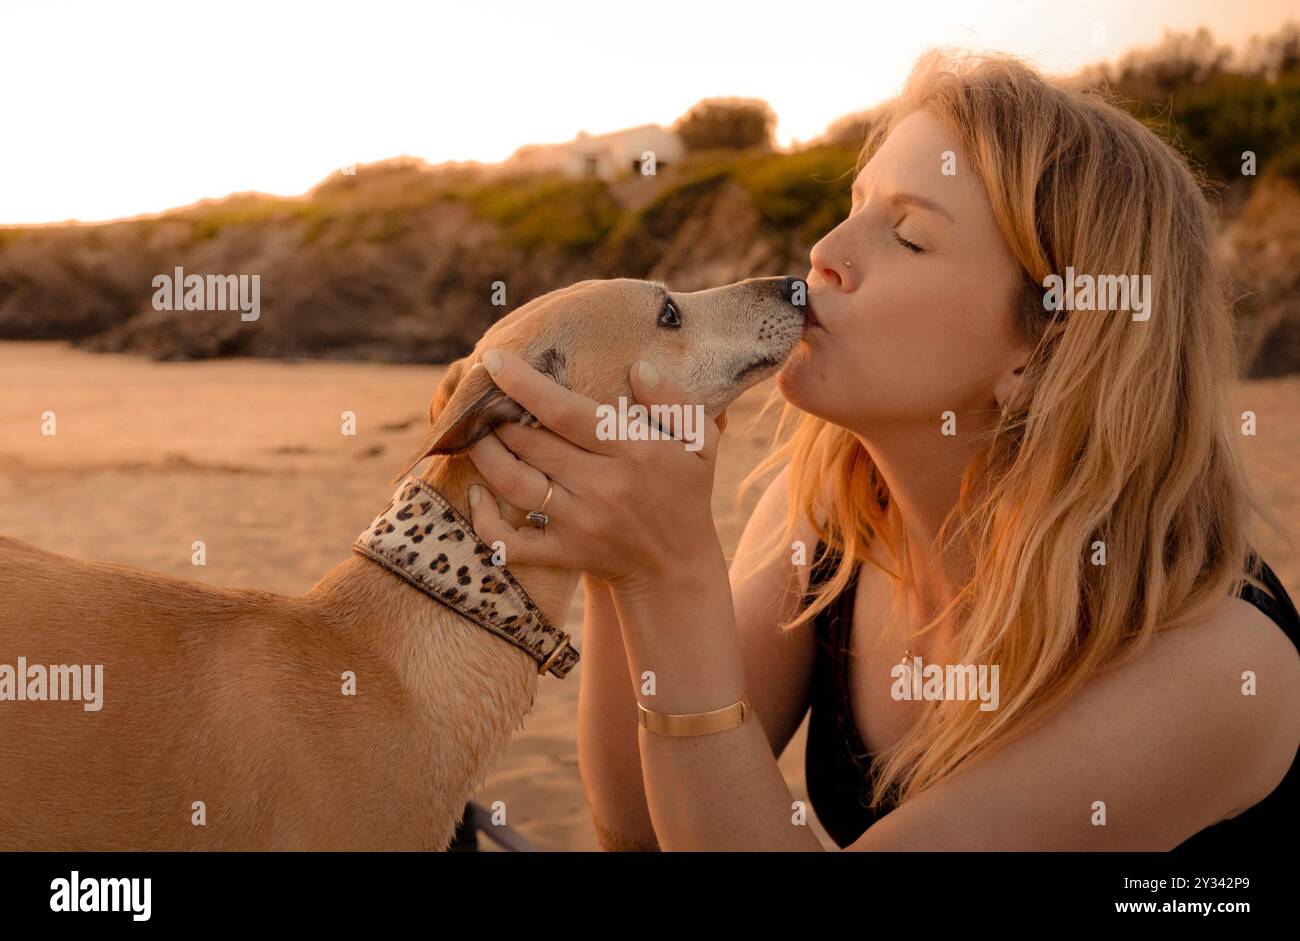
x: 649, y: 375
x: 492, y: 360
x: 474, y: 494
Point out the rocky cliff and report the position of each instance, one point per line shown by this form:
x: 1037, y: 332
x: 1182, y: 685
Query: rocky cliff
x: 399, y: 262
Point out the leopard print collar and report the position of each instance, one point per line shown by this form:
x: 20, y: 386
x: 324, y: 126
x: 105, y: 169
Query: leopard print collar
x: 422, y: 538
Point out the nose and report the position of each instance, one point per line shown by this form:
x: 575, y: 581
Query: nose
x: 824, y: 262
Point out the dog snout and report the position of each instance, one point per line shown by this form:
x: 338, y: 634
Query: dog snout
x: 793, y: 291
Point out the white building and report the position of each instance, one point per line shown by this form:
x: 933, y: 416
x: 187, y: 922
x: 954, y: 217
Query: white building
x: 605, y: 156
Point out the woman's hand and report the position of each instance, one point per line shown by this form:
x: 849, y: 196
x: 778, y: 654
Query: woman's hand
x: 628, y: 512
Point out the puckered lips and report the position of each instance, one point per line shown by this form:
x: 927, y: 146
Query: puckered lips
x: 810, y: 321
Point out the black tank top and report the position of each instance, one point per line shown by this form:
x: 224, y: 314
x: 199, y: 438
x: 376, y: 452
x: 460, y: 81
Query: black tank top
x: 837, y: 763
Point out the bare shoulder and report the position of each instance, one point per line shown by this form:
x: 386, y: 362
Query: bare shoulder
x: 1220, y: 696
x: 1233, y: 647
x: 1249, y: 670
x: 1198, y: 726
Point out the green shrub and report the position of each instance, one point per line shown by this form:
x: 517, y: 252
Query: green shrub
x: 666, y: 213
x: 1190, y: 91
x: 806, y: 192
x: 536, y: 210
x: 208, y: 220
x: 731, y: 123
x: 1231, y: 113
x: 637, y: 241
x: 393, y: 224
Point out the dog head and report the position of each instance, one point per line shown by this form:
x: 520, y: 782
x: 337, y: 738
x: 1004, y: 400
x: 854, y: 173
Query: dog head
x: 715, y: 343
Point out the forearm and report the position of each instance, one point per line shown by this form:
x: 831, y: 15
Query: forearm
x: 609, y: 757
x: 720, y: 791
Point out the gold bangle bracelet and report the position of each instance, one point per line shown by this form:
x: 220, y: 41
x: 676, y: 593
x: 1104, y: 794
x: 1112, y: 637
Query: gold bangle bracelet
x: 699, y: 723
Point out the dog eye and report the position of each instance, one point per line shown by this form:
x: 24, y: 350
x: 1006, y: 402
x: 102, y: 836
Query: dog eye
x: 670, y: 316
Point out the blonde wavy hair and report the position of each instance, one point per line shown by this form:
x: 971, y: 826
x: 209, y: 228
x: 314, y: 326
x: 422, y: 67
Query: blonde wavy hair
x: 1121, y: 434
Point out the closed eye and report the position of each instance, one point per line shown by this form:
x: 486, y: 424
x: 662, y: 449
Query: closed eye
x: 910, y: 246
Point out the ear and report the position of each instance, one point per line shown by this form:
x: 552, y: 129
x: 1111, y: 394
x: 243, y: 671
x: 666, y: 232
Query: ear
x: 1007, y: 391
x: 447, y: 387
x: 466, y: 406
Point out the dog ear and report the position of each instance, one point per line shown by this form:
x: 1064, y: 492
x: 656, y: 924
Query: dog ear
x: 465, y: 407
x: 450, y: 379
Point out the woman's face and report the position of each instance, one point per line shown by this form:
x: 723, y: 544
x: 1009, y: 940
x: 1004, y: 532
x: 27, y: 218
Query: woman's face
x: 912, y: 294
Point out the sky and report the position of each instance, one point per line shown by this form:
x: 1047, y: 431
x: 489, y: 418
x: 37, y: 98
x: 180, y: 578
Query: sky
x: 113, y: 109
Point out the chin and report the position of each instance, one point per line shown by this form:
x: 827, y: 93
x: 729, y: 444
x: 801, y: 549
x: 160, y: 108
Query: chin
x: 805, y: 389
x: 792, y: 389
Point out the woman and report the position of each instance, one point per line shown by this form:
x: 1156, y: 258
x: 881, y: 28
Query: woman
x: 984, y: 475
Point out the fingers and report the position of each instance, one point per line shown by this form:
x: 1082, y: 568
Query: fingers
x: 569, y: 414
x: 688, y: 422
x: 548, y: 452
x: 511, y: 478
x: 527, y: 545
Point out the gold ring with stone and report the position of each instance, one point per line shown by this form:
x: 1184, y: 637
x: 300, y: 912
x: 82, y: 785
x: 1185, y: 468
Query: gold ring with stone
x: 537, y: 517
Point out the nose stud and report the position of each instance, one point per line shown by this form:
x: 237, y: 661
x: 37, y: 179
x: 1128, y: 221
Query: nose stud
x: 848, y: 264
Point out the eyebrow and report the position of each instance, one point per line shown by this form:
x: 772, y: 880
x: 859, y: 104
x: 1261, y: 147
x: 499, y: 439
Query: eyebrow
x: 911, y: 199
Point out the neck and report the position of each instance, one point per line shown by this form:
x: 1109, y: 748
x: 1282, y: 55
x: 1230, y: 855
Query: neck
x: 459, y: 691
x: 384, y: 614
x: 923, y: 471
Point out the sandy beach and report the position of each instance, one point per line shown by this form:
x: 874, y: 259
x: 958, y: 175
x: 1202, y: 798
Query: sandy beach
x: 150, y: 456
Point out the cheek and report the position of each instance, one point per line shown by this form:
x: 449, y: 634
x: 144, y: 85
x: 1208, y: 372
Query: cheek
x: 946, y: 321
x: 910, y: 356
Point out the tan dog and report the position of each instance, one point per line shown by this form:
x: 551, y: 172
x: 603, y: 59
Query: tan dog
x: 223, y: 724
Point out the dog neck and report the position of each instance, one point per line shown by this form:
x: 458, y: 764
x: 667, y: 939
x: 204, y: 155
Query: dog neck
x: 424, y: 539
x: 550, y: 588
x: 462, y: 689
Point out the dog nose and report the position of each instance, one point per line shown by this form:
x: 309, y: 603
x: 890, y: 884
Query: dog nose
x: 794, y: 291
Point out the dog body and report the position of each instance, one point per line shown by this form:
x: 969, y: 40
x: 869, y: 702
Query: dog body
x: 224, y: 722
